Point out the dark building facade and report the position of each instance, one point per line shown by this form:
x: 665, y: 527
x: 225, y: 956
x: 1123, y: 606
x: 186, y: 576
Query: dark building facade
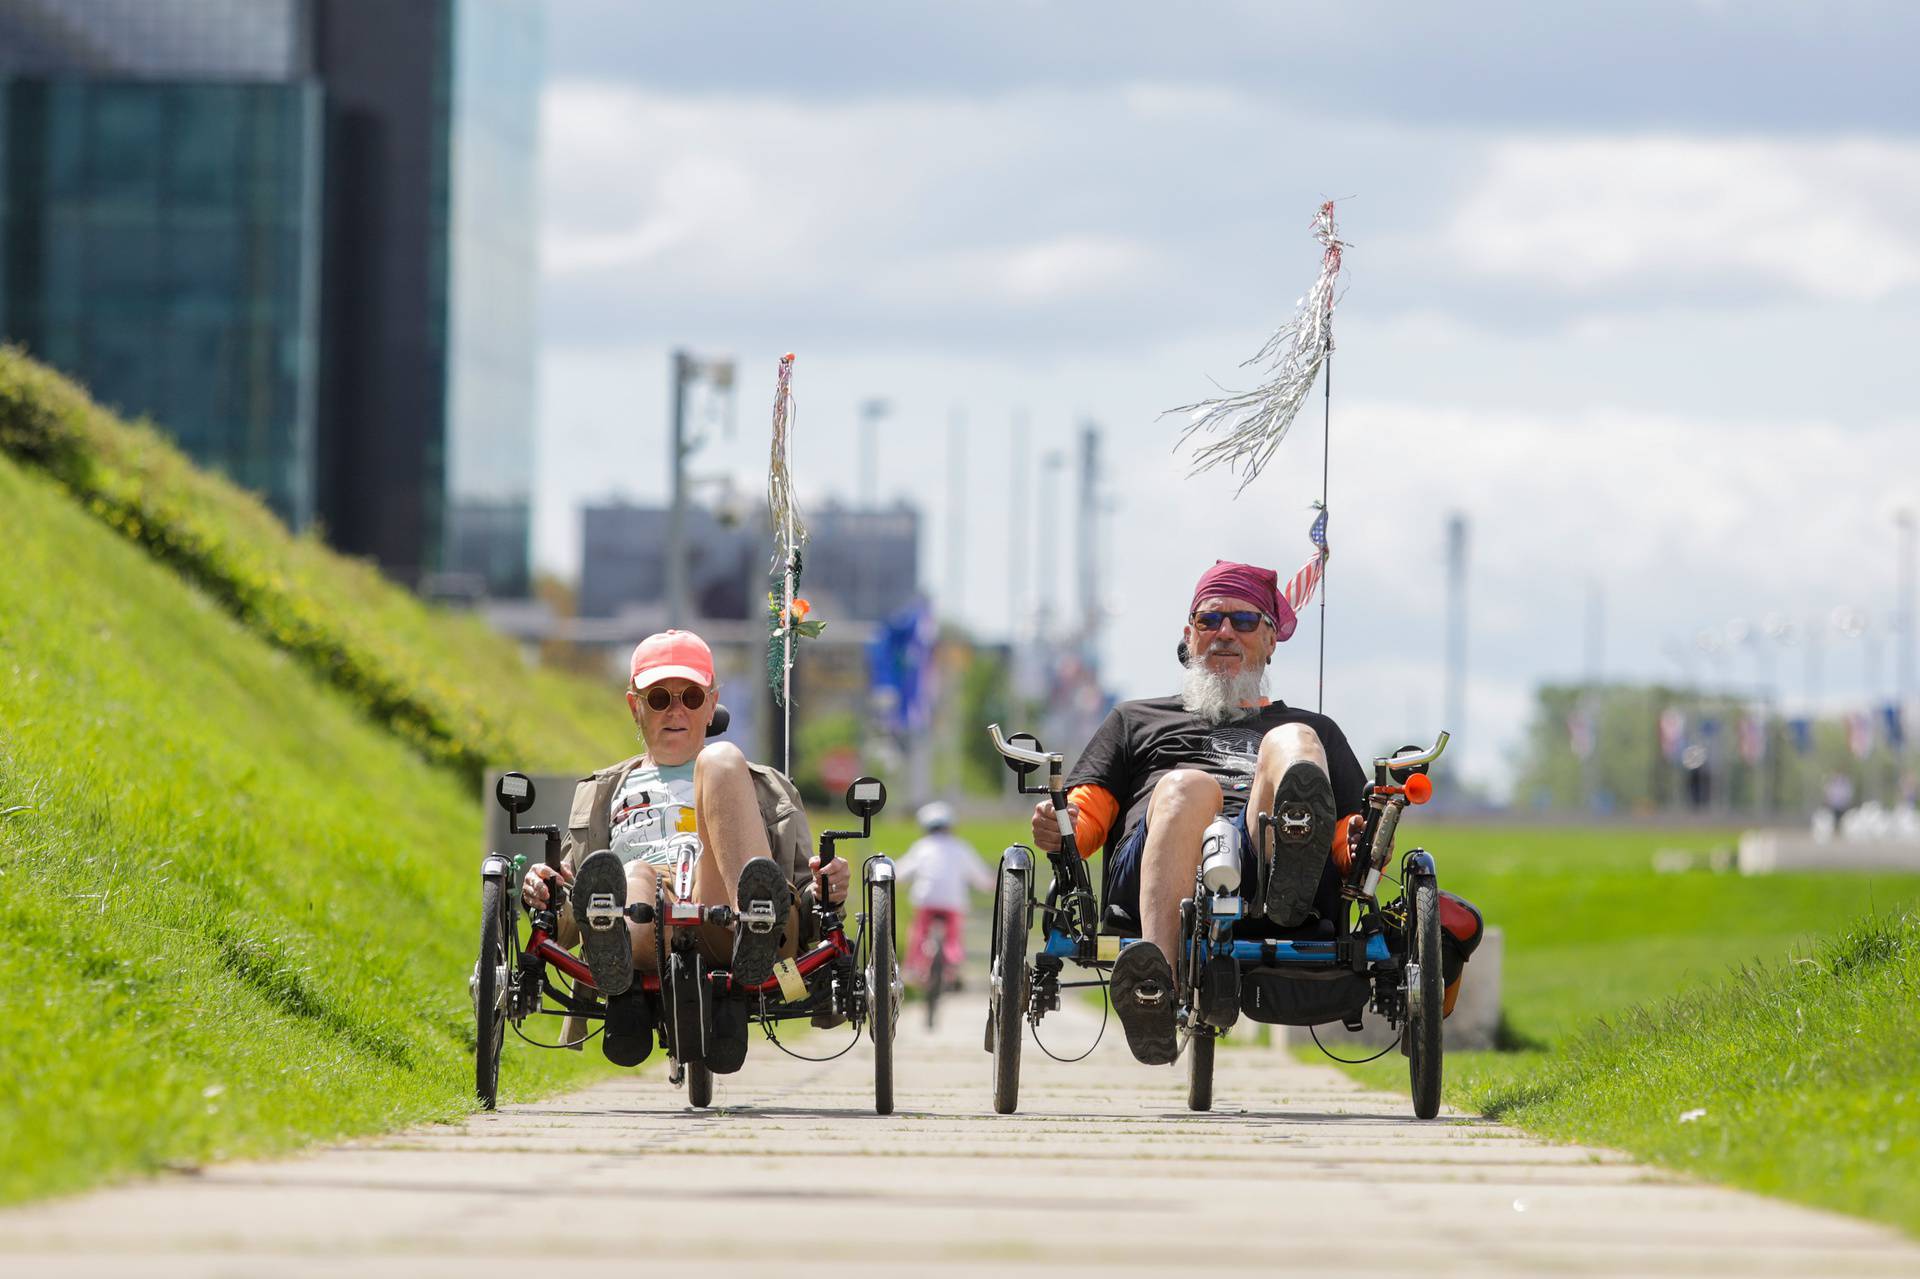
x: 298, y: 235
x: 623, y: 561
x: 867, y: 562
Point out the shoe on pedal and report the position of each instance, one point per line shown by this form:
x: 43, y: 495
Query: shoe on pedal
x: 1302, y: 842
x: 764, y: 896
x: 628, y: 1038
x: 1143, y: 998
x: 599, y: 912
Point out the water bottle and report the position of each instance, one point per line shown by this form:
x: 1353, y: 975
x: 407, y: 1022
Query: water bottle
x: 1220, y: 857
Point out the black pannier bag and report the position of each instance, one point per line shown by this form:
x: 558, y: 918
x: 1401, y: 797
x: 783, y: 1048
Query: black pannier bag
x: 1302, y: 997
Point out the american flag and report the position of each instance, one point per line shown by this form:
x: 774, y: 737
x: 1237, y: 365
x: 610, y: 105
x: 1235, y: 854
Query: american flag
x: 1300, y: 589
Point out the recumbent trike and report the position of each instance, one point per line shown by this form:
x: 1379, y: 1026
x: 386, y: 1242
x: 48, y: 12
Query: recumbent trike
x: 1386, y: 957
x: 855, y: 981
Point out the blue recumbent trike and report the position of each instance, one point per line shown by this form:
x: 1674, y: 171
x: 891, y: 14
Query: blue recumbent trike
x: 1380, y: 956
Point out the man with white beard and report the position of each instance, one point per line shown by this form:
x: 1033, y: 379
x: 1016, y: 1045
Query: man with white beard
x: 1160, y: 770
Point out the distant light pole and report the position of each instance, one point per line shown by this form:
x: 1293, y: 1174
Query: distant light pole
x: 686, y: 370
x: 1905, y: 522
x: 1051, y: 464
x: 871, y: 411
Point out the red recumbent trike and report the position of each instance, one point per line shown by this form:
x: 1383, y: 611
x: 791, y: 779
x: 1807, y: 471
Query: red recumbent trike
x: 837, y: 980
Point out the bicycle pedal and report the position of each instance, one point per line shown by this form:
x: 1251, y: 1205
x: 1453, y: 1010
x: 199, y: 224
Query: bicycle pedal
x: 757, y: 915
x: 1150, y: 993
x: 603, y: 912
x: 1296, y: 824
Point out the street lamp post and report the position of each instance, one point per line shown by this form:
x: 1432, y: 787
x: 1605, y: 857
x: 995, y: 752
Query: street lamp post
x: 686, y: 370
x: 871, y: 411
x: 1905, y: 522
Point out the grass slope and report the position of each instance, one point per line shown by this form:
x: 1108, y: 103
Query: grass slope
x: 1636, y: 997
x: 1794, y: 1078
x: 454, y: 689
x: 241, y: 913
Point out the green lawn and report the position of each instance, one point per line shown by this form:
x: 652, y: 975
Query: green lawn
x: 240, y: 913
x: 1639, y: 997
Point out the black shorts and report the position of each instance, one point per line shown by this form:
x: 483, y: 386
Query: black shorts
x: 1123, y: 882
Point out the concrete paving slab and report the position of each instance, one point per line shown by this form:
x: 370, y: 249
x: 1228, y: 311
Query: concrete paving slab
x: 1103, y: 1171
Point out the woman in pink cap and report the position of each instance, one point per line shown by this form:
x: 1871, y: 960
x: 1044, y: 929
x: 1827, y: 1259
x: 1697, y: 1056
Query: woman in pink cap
x: 690, y: 815
x: 1160, y: 772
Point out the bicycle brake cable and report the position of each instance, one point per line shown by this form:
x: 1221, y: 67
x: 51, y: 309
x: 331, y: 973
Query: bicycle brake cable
x: 1106, y: 1006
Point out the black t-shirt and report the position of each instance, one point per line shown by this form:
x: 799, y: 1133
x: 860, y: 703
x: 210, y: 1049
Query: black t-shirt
x: 1140, y: 742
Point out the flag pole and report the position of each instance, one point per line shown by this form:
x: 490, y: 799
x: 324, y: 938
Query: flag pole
x: 1326, y: 451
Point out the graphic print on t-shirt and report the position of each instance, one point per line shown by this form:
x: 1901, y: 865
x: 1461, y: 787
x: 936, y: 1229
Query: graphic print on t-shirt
x: 653, y: 816
x: 1234, y: 751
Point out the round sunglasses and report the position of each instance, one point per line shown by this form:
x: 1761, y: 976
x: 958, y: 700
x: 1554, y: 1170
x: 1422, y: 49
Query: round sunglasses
x: 659, y: 697
x: 1246, y: 621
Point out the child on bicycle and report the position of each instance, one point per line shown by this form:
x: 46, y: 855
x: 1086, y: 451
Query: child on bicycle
x: 940, y: 869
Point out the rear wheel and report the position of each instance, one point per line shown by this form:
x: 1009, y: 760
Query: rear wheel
x: 882, y: 973
x: 489, y: 992
x: 1423, y: 998
x: 699, y: 1085
x: 1200, y: 1071
x: 1007, y: 994
x: 936, y: 973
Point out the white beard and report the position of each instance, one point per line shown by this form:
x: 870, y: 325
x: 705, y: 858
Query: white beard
x: 1218, y: 698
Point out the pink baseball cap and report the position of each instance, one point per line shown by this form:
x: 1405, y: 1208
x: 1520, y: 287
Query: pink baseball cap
x: 672, y: 655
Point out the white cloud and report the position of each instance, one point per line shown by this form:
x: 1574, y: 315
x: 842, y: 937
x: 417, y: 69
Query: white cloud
x: 1100, y: 254
x: 1058, y: 269
x: 1828, y: 218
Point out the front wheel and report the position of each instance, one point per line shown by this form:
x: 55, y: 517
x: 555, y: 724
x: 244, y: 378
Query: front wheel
x: 1200, y: 1071
x: 1007, y: 993
x: 882, y: 974
x: 490, y: 992
x: 1424, y: 998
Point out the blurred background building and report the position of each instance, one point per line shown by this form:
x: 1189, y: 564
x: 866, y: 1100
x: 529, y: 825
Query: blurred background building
x: 298, y: 235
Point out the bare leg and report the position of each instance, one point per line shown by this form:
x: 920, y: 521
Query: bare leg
x: 641, y: 878
x: 1280, y: 749
x: 727, y: 817
x: 1183, y: 802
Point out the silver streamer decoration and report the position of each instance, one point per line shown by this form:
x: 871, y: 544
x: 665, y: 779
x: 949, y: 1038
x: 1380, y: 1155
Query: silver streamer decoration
x: 1248, y: 428
x: 789, y: 535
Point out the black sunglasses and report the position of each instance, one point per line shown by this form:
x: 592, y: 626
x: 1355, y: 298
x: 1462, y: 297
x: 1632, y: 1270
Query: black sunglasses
x: 1246, y: 621
x: 659, y: 697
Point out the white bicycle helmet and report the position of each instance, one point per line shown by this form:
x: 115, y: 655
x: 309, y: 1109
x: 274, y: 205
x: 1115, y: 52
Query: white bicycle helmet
x: 935, y: 816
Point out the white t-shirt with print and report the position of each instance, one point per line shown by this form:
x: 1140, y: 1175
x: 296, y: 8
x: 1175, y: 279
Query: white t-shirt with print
x: 652, y: 818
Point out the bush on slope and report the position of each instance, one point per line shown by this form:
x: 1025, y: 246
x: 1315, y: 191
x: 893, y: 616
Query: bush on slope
x: 456, y: 691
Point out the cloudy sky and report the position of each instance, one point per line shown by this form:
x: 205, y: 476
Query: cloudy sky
x: 1636, y: 290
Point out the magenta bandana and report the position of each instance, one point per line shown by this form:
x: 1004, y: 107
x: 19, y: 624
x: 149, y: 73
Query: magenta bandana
x: 1257, y: 586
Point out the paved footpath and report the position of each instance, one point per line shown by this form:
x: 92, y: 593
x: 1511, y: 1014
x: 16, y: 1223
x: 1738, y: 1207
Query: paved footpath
x: 1102, y: 1171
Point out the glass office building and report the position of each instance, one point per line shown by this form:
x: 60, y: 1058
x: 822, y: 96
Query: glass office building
x: 493, y: 219
x: 299, y: 236
x: 160, y: 244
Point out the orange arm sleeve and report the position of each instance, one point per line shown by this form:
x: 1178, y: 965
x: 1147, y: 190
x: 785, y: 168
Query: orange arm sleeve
x: 1098, y: 811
